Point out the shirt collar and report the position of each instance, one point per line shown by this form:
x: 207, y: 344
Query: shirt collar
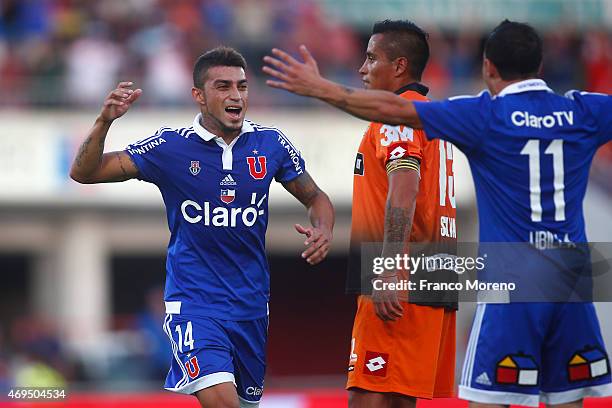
x: 525, y: 86
x: 414, y: 86
x: 207, y: 136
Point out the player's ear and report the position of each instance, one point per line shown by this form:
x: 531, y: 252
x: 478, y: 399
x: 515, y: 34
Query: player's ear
x: 198, y: 95
x: 489, y: 70
x: 401, y: 66
x: 540, y: 69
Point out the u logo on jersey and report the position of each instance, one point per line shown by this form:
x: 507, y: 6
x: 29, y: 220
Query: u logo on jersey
x: 257, y: 167
x: 193, y: 368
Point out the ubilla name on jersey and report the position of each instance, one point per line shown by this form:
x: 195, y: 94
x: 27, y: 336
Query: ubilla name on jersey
x: 434, y: 216
x: 216, y: 198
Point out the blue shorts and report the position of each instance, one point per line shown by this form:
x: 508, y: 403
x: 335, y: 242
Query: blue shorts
x: 527, y: 353
x: 208, y: 351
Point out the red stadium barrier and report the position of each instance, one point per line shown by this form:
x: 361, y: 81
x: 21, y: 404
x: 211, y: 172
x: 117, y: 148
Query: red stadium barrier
x: 275, y: 399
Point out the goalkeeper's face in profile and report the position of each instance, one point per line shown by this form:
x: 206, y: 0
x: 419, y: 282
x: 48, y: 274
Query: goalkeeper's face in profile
x: 223, y: 98
x: 377, y: 69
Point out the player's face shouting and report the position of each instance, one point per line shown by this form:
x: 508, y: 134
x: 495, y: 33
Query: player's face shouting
x: 377, y: 70
x: 225, y: 98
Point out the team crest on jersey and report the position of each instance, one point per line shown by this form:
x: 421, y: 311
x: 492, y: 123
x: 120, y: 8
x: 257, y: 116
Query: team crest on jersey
x: 195, y: 167
x: 588, y: 364
x: 517, y: 369
x: 193, y: 368
x: 257, y: 167
x: 227, y: 195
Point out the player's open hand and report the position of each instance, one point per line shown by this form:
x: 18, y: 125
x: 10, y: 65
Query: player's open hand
x: 119, y: 101
x: 318, y: 241
x: 386, y: 302
x: 302, y: 78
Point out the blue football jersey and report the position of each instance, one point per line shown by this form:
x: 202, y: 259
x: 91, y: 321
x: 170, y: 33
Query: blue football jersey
x: 530, y: 151
x: 216, y: 198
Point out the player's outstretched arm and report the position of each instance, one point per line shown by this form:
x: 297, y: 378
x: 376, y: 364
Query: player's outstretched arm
x: 303, y: 78
x: 399, y: 212
x: 91, y: 164
x: 321, y: 213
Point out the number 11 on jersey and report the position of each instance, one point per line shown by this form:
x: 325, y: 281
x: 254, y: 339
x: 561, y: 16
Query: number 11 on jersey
x: 555, y: 148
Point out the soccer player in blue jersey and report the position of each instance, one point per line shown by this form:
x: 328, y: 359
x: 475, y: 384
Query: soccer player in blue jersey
x: 530, y: 151
x: 214, y: 177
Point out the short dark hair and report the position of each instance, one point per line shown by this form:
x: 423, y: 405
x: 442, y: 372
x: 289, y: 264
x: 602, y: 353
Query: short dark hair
x: 403, y: 38
x: 515, y: 49
x: 217, y: 57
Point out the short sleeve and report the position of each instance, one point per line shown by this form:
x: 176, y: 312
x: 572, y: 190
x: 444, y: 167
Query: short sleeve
x: 291, y: 163
x: 597, y: 109
x: 396, y: 142
x: 461, y: 120
x: 601, y: 107
x: 147, y: 156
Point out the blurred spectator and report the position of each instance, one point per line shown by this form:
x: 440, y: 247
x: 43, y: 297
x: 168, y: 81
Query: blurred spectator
x: 149, y: 325
x: 597, y: 57
x: 93, y: 64
x: 5, y: 379
x: 39, y: 360
x: 71, y: 52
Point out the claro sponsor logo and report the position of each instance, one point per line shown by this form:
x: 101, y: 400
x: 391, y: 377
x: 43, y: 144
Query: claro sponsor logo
x: 256, y: 391
x: 194, y: 213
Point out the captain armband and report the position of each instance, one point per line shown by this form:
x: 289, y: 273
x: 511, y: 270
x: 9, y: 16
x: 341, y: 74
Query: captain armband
x: 410, y: 163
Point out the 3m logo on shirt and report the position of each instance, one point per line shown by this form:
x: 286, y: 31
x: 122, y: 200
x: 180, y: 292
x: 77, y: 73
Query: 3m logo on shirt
x: 194, y: 213
x: 395, y: 134
x: 376, y: 363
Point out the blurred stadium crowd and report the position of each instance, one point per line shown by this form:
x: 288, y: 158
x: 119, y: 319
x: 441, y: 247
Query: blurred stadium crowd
x: 62, y: 54
x: 57, y: 53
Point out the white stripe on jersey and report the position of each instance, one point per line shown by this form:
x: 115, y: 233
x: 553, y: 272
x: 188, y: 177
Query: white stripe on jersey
x: 185, y: 378
x: 277, y: 130
x: 470, y: 354
x: 452, y: 98
x: 184, y: 132
x: 570, y: 94
x: 157, y: 134
x: 187, y: 130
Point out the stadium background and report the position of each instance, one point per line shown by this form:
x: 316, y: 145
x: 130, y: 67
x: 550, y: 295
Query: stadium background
x: 82, y: 267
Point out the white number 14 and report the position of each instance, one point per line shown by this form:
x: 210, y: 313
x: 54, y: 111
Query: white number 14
x: 188, y: 342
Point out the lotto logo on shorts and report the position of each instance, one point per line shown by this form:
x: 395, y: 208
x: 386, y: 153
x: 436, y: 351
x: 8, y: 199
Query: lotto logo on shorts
x: 587, y: 365
x: 517, y: 369
x: 376, y: 363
